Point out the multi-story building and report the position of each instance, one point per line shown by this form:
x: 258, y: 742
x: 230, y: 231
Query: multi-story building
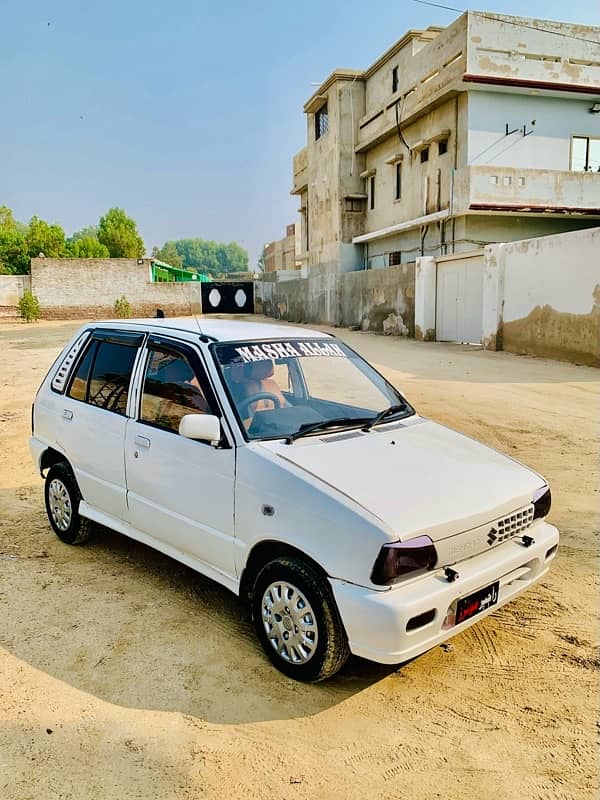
x: 281, y: 254
x: 485, y: 131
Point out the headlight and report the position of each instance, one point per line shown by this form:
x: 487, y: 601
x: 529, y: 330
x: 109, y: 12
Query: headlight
x: 542, y: 501
x: 400, y: 560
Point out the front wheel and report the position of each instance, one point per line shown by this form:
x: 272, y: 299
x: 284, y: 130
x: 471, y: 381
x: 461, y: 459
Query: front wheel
x: 62, y: 505
x: 297, y: 621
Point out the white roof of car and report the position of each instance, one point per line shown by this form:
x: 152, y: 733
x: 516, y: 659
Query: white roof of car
x: 223, y: 330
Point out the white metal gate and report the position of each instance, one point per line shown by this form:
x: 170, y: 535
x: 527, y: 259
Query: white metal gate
x: 459, y: 298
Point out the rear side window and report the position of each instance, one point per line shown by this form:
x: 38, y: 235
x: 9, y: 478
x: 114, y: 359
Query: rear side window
x: 108, y: 386
x: 78, y: 387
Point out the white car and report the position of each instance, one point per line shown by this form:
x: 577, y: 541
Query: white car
x: 278, y: 462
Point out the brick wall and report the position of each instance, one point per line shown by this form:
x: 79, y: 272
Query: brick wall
x: 72, y: 288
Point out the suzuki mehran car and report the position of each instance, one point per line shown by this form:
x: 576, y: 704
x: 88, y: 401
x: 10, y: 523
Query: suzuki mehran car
x: 278, y: 462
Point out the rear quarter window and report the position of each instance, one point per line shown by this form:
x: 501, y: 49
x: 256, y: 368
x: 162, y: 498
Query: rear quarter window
x: 110, y: 377
x: 78, y: 388
x: 62, y: 373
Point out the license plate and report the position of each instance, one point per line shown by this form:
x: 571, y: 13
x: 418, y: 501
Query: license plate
x: 477, y: 602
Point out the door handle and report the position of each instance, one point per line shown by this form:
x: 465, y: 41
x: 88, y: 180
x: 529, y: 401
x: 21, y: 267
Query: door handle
x: 142, y: 441
x: 67, y: 414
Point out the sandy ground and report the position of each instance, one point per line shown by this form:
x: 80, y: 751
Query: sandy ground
x: 126, y: 675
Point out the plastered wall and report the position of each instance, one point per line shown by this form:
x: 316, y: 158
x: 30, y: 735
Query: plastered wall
x: 550, y: 295
x: 378, y: 300
x: 11, y: 291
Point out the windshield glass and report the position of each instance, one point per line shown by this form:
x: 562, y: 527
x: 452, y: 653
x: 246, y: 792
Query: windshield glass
x: 280, y: 388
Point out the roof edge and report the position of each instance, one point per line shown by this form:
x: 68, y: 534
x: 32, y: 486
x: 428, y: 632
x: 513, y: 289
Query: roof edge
x: 337, y: 75
x: 413, y: 33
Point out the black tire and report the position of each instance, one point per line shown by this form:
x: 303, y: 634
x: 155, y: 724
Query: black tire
x: 78, y: 530
x: 331, y: 650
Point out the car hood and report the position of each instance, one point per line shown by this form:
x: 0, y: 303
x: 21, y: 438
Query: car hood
x: 416, y: 476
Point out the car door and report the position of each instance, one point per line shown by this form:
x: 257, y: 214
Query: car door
x: 92, y: 418
x: 180, y: 491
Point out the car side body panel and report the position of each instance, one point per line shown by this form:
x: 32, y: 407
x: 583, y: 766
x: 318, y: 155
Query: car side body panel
x: 302, y: 511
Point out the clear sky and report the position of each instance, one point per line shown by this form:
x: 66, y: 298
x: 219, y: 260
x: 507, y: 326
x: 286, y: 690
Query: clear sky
x: 185, y: 113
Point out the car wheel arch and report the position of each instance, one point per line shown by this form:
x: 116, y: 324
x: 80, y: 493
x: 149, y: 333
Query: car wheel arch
x: 267, y: 550
x: 50, y: 457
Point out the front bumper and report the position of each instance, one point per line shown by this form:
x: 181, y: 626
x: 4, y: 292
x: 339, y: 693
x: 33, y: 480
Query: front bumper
x: 376, y: 621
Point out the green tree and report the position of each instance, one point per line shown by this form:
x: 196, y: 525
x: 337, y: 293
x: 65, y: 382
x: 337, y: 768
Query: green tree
x: 168, y: 253
x: 13, y: 248
x: 7, y: 220
x: 14, y: 258
x: 208, y: 257
x: 86, y: 247
x: 119, y: 234
x: 44, y: 238
x: 236, y: 258
x: 89, y: 232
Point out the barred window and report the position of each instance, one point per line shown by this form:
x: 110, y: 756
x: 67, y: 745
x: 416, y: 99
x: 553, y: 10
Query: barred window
x: 321, y: 122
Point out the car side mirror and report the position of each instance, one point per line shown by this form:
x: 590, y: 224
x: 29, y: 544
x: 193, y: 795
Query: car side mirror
x: 202, y: 427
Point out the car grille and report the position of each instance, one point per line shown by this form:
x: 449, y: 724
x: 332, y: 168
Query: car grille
x: 510, y: 526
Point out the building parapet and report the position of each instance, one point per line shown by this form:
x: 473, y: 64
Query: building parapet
x: 535, y: 191
x: 553, y: 55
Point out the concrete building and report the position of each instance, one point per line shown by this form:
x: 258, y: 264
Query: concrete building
x: 281, y: 254
x: 485, y: 131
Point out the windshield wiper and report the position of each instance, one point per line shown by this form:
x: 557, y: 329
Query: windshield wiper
x: 341, y: 422
x: 387, y: 412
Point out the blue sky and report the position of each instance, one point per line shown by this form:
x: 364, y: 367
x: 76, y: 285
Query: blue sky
x: 185, y: 113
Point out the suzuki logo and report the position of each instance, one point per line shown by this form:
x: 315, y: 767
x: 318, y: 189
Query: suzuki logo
x: 492, y: 536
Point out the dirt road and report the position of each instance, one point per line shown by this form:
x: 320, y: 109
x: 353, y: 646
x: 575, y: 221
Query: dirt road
x: 125, y: 675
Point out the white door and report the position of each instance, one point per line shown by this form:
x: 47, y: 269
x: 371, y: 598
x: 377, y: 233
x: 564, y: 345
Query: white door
x: 179, y: 491
x: 92, y: 419
x: 459, y: 301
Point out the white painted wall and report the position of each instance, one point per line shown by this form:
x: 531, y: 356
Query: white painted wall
x: 557, y: 119
x: 560, y: 271
x: 425, y: 297
x: 12, y: 288
x: 555, y: 277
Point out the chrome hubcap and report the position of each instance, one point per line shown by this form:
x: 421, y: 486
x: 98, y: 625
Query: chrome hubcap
x: 60, y: 504
x: 289, y: 622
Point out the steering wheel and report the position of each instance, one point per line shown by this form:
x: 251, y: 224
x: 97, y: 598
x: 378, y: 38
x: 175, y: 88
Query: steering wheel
x: 244, y: 405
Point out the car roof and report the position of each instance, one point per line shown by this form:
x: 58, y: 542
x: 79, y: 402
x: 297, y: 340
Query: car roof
x: 222, y: 330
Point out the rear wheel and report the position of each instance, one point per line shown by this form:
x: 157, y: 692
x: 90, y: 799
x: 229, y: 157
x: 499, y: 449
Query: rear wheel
x: 297, y: 621
x: 62, y: 505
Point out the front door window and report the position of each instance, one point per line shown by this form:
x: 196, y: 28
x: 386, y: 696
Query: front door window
x: 171, y: 390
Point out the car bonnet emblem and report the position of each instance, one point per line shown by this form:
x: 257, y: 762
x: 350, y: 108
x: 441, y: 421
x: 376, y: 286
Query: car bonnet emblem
x: 492, y: 536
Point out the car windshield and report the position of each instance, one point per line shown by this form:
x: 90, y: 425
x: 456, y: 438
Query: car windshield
x: 294, y: 387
